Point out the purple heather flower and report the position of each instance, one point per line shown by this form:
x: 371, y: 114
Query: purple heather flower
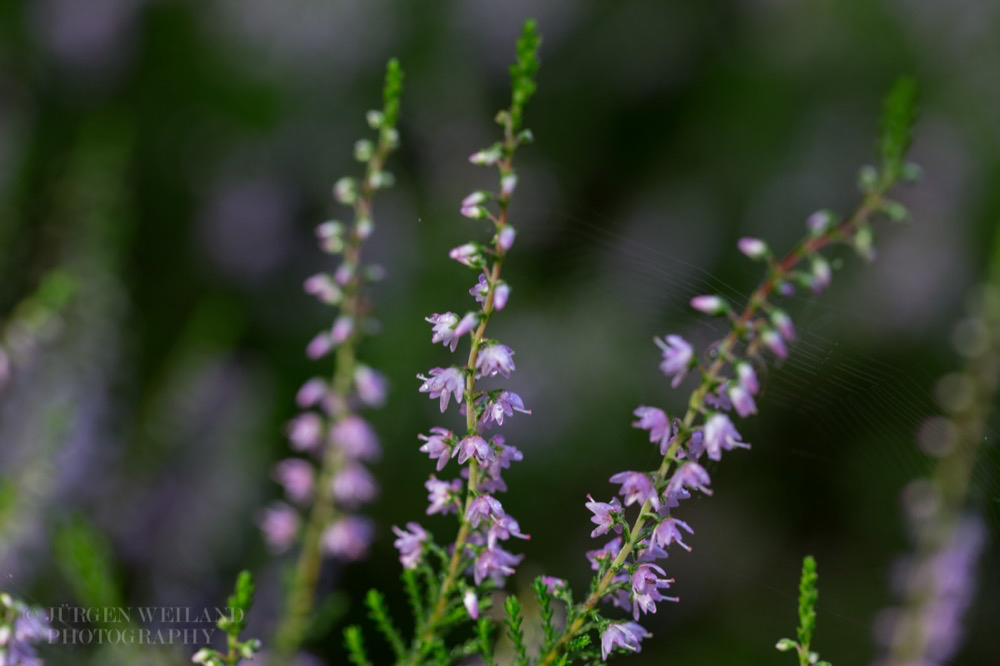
x: 410, y: 544
x: 468, y: 254
x: 348, y: 538
x: 819, y: 222
x: 500, y: 296
x: 505, y: 404
x: 443, y: 330
x: 507, y: 184
x: 694, y: 448
x: 484, y: 507
x: 646, y: 586
x: 689, y: 475
x: 486, y: 157
x: 553, y: 584
x: 441, y: 495
x: 342, y: 329
x: 442, y: 383
x: 471, y: 603
x: 305, y: 431
x: 492, y: 481
x: 493, y: 359
x: 773, y: 341
x: 784, y: 324
x: 747, y: 377
x: 742, y: 401
x: 718, y: 399
x: 504, y: 528
x: 466, y: 324
x: 710, y: 305
x: 319, y: 346
x: 323, y: 288
x: 496, y: 563
x: 280, y: 524
x: 438, y: 445
x: 344, y: 273
x: 636, y: 487
x: 604, y: 515
x: 720, y: 435
x: 312, y: 393
x: 356, y: 438
x: 754, y: 248
x: 371, y: 386
x: 608, y: 552
x: 672, y: 498
x: 657, y: 423
x: 474, y: 446
x: 470, y: 205
x: 627, y: 635
x: 667, y: 532
x: 677, y: 357
x: 480, y: 290
x: 649, y: 552
x: 505, y: 238
x: 821, y: 274
x: 296, y: 476
x: 354, y: 485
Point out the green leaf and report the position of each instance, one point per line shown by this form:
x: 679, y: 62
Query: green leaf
x: 354, y: 642
x: 380, y: 616
x: 898, y: 117
x: 808, y: 596
x: 522, y: 72
x: 391, y: 94
x: 513, y: 609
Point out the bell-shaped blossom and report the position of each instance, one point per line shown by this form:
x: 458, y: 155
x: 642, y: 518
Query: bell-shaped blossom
x: 312, y: 393
x: 468, y: 254
x: 491, y: 480
x: 646, y: 586
x: 443, y: 383
x: 710, y: 305
x: 636, y: 487
x: 721, y: 435
x: 348, y: 537
x: 677, y: 357
x: 504, y: 404
x: 356, y: 438
x: 280, y: 525
x: 354, y: 485
x: 476, y: 447
x: 773, y: 341
x: 443, y: 329
x: 496, y: 563
x: 305, y: 431
x: 495, y: 359
x: 504, y: 528
x: 481, y: 289
x: 438, y: 445
x: 657, y: 423
x: 471, y: 602
x: 742, y: 401
x: 505, y: 238
x: 669, y: 531
x: 607, y: 552
x: 319, y: 346
x: 689, y: 475
x: 442, y: 495
x: 648, y: 551
x: 604, y: 515
x: 784, y: 324
x: 296, y: 476
x: 500, y: 296
x: 747, y: 378
x: 484, y: 507
x: 410, y: 544
x: 553, y: 584
x: 371, y: 385
x: 627, y: 635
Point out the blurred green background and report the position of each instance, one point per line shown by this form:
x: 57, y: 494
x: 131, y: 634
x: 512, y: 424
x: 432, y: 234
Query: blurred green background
x: 163, y: 164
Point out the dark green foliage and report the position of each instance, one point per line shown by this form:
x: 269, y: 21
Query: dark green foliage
x: 545, y: 608
x: 379, y: 614
x: 512, y: 607
x: 484, y: 631
x: 522, y: 72
x: 85, y: 559
x: 899, y: 115
x: 412, y: 586
x: 233, y: 624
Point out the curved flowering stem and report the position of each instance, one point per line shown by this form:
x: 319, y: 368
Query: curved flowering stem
x: 939, y: 580
x: 344, y: 439
x: 760, y: 325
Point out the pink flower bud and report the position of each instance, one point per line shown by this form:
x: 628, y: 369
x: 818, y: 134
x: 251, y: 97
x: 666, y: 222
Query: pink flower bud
x: 471, y: 602
x: 505, y: 239
x: 710, y: 305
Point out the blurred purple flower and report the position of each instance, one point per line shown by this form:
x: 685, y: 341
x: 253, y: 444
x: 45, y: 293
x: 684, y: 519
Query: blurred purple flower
x: 677, y: 357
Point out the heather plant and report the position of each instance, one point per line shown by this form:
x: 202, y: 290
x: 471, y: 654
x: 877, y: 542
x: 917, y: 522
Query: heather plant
x: 935, y: 582
x: 21, y: 627
x: 335, y: 441
x: 450, y: 588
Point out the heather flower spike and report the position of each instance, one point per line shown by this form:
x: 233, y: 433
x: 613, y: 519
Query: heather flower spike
x: 331, y: 480
x: 627, y: 573
x: 477, y: 559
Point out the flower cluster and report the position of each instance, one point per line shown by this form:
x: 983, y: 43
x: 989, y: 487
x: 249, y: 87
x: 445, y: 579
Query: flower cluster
x: 20, y: 628
x: 329, y: 477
